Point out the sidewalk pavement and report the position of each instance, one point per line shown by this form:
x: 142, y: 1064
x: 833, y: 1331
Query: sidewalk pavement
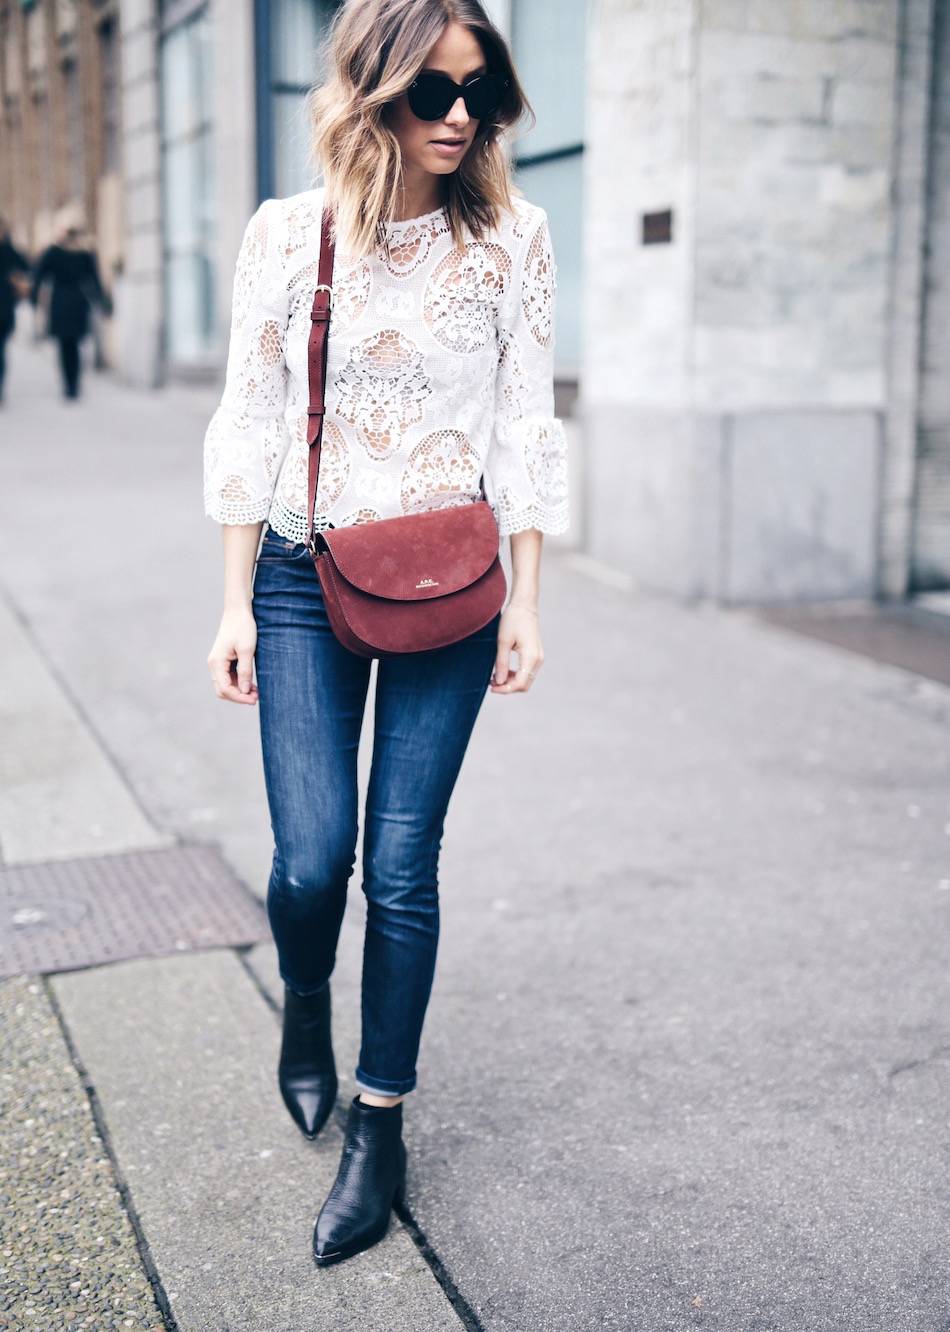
x: 687, y: 1058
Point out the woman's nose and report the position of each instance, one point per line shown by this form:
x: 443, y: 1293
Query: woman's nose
x: 458, y: 112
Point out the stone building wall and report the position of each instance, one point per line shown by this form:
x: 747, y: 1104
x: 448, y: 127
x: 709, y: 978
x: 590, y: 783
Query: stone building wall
x: 737, y: 382
x: 931, y: 474
x: 138, y: 295
x: 912, y: 166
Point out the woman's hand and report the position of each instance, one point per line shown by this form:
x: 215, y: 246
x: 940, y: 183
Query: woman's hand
x: 518, y: 629
x: 231, y: 658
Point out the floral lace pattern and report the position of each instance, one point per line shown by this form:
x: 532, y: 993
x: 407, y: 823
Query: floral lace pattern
x: 439, y: 372
x: 291, y: 492
x: 463, y: 294
x: 510, y: 377
x: 442, y: 462
x: 254, y: 252
x: 352, y: 284
x: 411, y: 242
x: 381, y: 390
x: 537, y: 293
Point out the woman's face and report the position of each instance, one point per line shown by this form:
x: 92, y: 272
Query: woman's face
x: 458, y: 54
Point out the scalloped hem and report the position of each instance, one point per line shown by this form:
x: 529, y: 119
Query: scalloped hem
x: 293, y: 525
x: 236, y: 517
x: 552, y: 522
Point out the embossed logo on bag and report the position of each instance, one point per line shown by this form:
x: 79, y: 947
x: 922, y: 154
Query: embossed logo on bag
x: 428, y: 582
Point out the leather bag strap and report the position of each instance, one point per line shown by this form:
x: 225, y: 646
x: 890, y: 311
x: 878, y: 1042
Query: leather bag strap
x: 317, y: 364
x: 317, y: 369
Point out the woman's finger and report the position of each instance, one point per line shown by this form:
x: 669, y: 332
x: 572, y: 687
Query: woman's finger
x: 502, y: 657
x: 220, y: 668
x: 245, y: 669
x: 234, y: 694
x: 526, y: 672
x: 226, y: 684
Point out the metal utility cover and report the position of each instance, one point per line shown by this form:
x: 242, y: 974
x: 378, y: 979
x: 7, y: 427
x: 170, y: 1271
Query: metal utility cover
x: 65, y: 914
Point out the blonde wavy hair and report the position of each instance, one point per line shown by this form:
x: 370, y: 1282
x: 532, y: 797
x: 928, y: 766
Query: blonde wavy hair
x: 373, y: 51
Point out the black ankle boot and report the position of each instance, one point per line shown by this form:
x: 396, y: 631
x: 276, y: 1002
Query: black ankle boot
x: 370, y: 1178
x: 306, y: 1071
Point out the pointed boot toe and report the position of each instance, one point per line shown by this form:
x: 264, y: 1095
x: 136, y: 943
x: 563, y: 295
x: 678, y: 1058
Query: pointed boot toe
x: 306, y: 1070
x: 370, y: 1178
x: 309, y: 1102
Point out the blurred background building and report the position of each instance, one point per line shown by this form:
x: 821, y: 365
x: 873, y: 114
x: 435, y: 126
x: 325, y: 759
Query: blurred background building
x: 750, y: 202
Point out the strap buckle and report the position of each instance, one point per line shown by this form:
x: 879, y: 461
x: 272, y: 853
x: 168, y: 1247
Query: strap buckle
x: 322, y: 286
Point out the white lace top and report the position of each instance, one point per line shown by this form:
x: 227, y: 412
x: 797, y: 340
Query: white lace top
x: 439, y: 366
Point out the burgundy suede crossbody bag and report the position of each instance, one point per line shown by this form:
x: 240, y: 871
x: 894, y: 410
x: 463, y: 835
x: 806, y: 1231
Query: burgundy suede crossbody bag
x: 404, y: 584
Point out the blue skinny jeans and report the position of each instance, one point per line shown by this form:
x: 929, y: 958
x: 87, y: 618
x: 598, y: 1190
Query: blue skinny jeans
x: 312, y: 693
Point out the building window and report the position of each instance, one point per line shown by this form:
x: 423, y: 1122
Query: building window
x: 74, y: 129
x: 288, y: 34
x: 548, y: 39
x: 188, y: 190
x: 108, y: 64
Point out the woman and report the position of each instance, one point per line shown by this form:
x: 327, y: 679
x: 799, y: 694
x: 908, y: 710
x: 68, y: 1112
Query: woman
x: 14, y: 283
x: 71, y: 269
x: 440, y: 366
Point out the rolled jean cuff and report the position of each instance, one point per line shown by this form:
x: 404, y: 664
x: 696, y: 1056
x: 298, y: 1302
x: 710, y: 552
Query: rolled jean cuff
x: 383, y: 1088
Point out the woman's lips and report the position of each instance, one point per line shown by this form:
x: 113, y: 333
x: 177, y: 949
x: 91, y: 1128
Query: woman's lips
x: 448, y: 149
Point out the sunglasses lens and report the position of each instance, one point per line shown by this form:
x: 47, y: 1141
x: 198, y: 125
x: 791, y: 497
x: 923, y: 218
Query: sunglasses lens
x: 482, y: 96
x: 430, y: 97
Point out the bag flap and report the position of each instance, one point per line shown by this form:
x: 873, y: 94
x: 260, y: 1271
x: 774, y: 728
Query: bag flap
x: 423, y: 555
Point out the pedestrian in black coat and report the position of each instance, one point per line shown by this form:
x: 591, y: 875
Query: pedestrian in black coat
x: 12, y: 262
x: 74, y: 275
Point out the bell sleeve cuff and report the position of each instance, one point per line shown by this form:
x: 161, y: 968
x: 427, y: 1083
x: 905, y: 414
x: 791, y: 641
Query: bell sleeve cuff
x: 527, y: 456
x: 246, y: 438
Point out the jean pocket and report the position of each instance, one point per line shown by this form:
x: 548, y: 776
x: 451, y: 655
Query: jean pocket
x: 275, y: 547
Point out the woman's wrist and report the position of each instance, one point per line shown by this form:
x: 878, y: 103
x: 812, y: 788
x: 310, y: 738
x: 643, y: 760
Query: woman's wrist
x: 241, y: 541
x: 524, y: 593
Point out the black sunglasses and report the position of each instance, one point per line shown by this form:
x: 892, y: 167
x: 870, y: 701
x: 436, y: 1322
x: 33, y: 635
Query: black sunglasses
x: 430, y: 94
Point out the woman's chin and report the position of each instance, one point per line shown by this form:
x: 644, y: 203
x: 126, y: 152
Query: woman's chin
x: 441, y: 167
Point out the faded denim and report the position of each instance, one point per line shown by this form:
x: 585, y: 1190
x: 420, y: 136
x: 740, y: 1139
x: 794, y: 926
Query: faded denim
x: 312, y: 694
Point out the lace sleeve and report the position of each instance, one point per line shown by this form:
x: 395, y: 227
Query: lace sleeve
x: 247, y: 437
x: 527, y: 457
